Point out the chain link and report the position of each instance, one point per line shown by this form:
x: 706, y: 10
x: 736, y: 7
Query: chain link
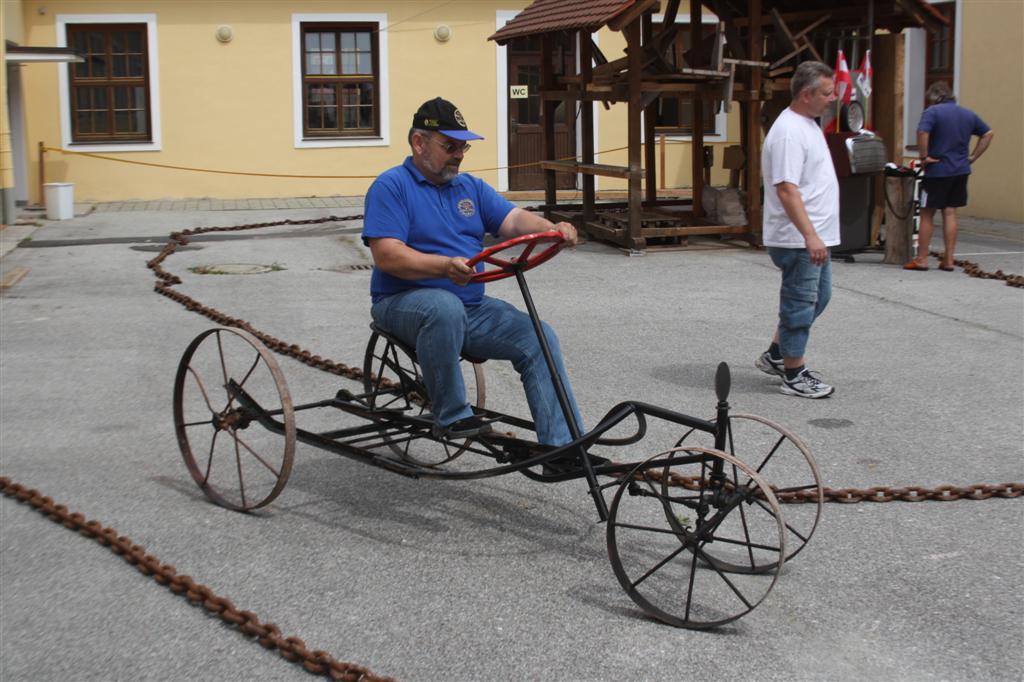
x: 248, y: 623
x: 167, y: 281
x: 972, y: 269
x: 294, y: 649
x: 942, y: 493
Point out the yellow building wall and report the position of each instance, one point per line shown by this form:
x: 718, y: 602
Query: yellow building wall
x: 992, y: 84
x: 13, y: 21
x: 229, y: 107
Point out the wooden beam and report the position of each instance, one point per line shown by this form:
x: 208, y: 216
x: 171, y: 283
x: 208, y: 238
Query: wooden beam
x: 647, y: 102
x: 752, y: 120
x: 697, y: 137
x: 632, y: 14
x: 547, y: 117
x: 591, y: 169
x: 587, y: 119
x: 632, y: 34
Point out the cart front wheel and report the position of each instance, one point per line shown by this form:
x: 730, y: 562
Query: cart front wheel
x: 783, y: 460
x: 666, y: 518
x: 234, y: 419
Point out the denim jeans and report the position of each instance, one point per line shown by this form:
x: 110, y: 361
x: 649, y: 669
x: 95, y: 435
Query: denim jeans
x: 439, y: 326
x: 806, y: 290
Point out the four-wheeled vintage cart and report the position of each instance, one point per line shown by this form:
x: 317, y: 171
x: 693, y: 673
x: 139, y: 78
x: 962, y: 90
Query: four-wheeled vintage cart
x: 695, y: 533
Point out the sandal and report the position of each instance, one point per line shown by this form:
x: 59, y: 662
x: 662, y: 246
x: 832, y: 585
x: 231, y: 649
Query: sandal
x: 947, y: 268
x: 914, y: 265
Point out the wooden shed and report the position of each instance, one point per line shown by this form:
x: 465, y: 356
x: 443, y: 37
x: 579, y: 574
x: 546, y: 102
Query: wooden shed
x: 747, y: 60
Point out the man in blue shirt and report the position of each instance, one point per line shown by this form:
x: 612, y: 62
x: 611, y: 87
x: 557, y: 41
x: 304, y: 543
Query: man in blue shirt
x: 423, y: 222
x: 943, y: 139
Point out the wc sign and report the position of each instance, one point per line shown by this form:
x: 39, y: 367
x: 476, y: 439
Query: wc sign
x: 518, y: 91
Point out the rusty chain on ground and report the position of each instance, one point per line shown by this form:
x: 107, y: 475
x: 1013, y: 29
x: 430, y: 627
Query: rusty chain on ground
x: 972, y: 269
x: 294, y: 649
x: 267, y: 634
x: 942, y: 493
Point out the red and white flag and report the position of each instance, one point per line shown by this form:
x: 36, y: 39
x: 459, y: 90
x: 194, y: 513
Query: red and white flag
x: 844, y: 85
x: 864, y: 75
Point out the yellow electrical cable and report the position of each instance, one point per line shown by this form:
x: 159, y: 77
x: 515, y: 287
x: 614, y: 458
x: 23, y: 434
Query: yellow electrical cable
x: 285, y: 175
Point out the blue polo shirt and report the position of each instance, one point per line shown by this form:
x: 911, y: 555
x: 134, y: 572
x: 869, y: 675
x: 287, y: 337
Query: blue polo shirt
x: 448, y: 220
x: 950, y: 127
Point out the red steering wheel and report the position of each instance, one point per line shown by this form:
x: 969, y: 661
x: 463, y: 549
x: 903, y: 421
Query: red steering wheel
x: 523, y: 262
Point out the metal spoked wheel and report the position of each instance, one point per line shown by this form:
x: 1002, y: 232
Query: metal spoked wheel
x: 392, y: 381
x: 783, y: 460
x: 239, y: 457
x: 669, y: 514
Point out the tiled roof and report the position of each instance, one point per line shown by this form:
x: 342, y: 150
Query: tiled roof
x: 545, y: 16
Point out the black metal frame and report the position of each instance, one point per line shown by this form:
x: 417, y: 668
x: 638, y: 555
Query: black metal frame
x: 367, y: 443
x: 392, y: 413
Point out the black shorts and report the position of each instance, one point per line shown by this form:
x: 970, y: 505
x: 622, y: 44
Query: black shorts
x: 950, y: 192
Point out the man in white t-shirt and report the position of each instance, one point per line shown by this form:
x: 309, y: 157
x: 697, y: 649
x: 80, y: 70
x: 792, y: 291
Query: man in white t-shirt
x: 801, y: 222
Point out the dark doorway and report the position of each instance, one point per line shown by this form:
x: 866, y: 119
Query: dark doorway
x: 940, y: 48
x: 525, y: 145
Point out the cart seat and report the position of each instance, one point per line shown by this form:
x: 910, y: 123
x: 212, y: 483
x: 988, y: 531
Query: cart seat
x: 410, y: 351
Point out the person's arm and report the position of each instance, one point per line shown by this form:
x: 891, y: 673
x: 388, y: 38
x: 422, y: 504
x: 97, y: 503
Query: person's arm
x: 922, y: 148
x: 396, y: 258
x: 983, y: 142
x: 793, y: 204
x: 519, y: 222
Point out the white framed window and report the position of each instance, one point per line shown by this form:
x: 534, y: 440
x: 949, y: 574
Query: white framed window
x: 340, y: 77
x: 110, y: 102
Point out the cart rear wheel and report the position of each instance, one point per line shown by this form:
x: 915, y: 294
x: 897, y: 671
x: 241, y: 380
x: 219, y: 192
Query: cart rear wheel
x: 235, y: 460
x: 669, y: 514
x: 392, y: 381
x: 783, y: 460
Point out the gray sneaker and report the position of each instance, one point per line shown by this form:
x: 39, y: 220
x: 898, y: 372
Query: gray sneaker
x: 769, y: 365
x: 806, y: 384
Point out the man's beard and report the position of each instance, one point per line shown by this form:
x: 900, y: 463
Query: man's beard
x: 448, y: 172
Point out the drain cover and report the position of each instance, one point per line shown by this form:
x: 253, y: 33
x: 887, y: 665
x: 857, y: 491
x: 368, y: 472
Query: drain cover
x: 234, y: 269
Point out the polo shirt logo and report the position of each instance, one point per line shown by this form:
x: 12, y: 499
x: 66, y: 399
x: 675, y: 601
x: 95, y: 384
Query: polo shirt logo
x: 467, y: 208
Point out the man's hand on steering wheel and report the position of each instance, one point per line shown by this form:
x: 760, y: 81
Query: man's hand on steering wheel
x: 568, y: 232
x: 458, y: 272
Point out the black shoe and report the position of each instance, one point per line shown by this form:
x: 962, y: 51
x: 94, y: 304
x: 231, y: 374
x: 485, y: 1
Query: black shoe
x: 470, y: 427
x: 570, y: 463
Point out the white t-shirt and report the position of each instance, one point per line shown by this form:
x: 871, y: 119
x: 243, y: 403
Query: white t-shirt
x: 795, y: 151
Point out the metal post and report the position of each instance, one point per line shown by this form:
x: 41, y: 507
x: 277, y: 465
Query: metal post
x: 42, y: 170
x: 562, y: 395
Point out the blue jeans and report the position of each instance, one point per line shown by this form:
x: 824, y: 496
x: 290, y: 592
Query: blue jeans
x: 439, y: 326
x: 806, y: 290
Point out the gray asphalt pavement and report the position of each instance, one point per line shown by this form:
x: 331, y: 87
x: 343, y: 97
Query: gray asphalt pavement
x: 504, y: 578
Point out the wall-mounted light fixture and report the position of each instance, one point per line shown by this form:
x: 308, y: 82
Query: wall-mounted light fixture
x: 442, y: 33
x: 224, y: 34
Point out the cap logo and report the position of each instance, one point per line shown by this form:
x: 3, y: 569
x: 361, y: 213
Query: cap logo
x: 458, y: 119
x: 431, y: 122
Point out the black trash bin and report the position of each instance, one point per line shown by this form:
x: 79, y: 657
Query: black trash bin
x: 858, y: 159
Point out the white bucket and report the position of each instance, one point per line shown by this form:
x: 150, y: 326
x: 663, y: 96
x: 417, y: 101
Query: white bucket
x: 60, y: 200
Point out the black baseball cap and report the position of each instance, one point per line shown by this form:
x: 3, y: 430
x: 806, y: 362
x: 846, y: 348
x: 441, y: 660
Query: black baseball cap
x: 441, y: 115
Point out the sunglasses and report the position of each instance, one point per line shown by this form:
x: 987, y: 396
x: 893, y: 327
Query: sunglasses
x: 453, y: 147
